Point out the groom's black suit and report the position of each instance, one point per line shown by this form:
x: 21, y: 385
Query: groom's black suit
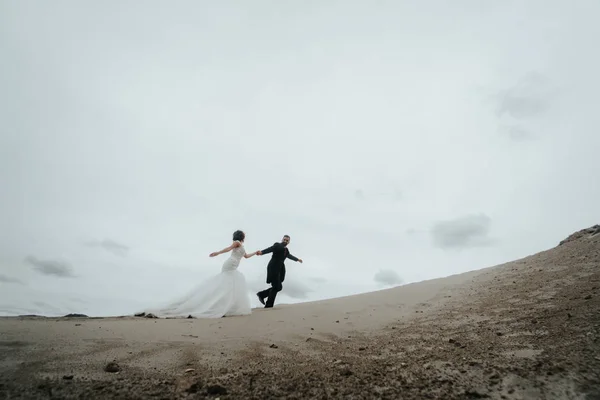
x: 275, y: 271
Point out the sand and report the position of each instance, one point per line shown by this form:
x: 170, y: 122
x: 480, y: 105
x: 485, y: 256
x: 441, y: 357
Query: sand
x: 523, y: 330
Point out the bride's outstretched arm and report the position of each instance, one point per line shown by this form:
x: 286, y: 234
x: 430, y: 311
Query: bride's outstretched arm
x: 250, y: 255
x: 225, y: 250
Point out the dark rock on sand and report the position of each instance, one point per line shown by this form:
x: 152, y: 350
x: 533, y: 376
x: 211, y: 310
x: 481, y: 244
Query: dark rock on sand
x: 194, y: 387
x: 588, y: 232
x: 112, y: 367
x: 216, y: 390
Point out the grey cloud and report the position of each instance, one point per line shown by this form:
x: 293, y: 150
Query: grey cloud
x: 468, y: 231
x: 388, y: 277
x: 521, y: 107
x: 516, y: 132
x: 57, y: 268
x: 530, y: 97
x: 111, y: 246
x: 296, y: 290
x: 9, y: 279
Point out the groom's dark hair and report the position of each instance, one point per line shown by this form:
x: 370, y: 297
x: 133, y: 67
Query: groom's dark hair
x: 239, y: 235
x: 287, y: 236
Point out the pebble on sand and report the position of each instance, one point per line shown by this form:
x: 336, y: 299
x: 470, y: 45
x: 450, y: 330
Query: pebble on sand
x: 112, y: 367
x: 216, y: 389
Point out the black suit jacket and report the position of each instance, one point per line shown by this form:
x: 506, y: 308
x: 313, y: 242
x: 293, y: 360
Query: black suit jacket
x: 276, y: 266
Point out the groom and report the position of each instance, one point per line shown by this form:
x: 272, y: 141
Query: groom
x: 275, y: 270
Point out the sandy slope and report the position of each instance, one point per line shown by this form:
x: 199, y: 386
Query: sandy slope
x: 525, y: 329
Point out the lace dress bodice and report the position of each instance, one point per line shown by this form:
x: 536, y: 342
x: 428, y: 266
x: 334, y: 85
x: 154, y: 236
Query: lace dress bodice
x: 234, y: 259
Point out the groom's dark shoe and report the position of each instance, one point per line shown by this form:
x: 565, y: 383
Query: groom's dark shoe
x: 262, y: 301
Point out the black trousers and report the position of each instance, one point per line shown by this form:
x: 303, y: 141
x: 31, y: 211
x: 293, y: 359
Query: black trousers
x: 271, y: 293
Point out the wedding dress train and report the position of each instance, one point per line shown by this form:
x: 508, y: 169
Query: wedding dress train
x: 225, y: 294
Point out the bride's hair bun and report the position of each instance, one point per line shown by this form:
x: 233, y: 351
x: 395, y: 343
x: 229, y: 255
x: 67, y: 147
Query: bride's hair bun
x: 239, y: 235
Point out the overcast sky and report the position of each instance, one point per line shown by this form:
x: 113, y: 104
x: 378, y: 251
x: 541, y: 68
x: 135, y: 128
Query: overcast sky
x: 395, y: 141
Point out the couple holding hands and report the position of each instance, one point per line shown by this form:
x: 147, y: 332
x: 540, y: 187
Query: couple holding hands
x: 226, y: 294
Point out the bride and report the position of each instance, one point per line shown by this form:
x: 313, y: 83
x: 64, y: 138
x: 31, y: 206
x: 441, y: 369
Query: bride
x: 222, y: 295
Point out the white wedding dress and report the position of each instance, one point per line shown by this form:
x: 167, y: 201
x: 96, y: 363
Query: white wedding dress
x: 225, y: 294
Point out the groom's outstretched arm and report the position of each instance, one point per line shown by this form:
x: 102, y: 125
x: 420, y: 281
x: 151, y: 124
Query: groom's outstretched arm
x: 294, y: 258
x: 269, y: 249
